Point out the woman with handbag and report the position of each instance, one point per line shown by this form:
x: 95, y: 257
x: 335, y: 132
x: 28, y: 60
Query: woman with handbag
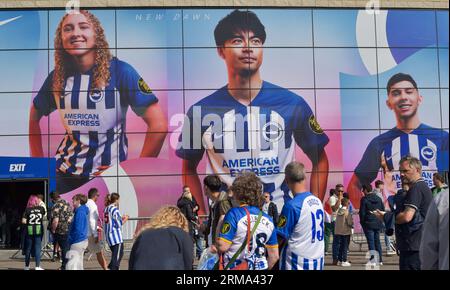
x: 247, y: 233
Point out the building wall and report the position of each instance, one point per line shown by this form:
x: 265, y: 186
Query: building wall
x: 337, y: 60
x: 245, y: 3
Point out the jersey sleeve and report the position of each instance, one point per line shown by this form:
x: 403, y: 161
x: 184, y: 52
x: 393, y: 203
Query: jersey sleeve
x: 287, y: 221
x: 134, y: 91
x: 273, y: 241
x: 44, y: 102
x: 190, y: 146
x: 26, y: 214
x: 229, y: 227
x: 370, y: 163
x: 118, y: 217
x: 307, y: 132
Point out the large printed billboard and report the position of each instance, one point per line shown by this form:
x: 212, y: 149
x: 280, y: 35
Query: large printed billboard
x: 144, y: 101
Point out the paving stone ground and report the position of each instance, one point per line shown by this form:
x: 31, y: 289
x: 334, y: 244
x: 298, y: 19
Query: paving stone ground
x: 13, y: 260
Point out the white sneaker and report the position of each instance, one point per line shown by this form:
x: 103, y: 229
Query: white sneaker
x: 371, y: 264
x: 345, y: 264
x: 26, y: 268
x: 339, y: 263
x: 380, y: 264
x: 391, y: 253
x: 38, y: 268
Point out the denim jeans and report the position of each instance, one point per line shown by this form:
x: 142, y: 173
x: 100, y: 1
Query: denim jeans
x: 373, y: 239
x: 335, y: 246
x: 198, y: 247
x: 387, y: 240
x: 342, y: 242
x: 33, y: 243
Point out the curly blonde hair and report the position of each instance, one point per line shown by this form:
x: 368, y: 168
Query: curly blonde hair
x: 167, y: 216
x: 247, y: 189
x: 64, y: 65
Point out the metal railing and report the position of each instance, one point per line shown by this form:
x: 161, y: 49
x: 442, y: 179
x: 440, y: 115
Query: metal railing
x: 359, y: 238
x: 129, y: 231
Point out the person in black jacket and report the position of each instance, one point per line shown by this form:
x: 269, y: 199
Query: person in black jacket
x: 270, y: 208
x: 186, y: 205
x: 189, y: 207
x: 163, y: 243
x: 371, y: 225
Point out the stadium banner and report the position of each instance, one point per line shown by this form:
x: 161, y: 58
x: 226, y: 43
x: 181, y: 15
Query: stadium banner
x: 144, y: 101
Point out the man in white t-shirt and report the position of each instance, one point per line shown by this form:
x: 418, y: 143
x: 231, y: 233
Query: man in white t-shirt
x: 335, y: 203
x: 94, y: 244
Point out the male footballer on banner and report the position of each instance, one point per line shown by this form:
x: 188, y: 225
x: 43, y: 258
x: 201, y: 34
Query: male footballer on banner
x: 410, y: 136
x: 82, y: 88
x: 250, y: 124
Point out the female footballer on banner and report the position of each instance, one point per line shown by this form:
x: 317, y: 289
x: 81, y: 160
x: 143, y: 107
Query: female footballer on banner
x: 82, y: 88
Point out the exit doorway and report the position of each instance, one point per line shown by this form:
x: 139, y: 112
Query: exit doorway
x: 14, y: 194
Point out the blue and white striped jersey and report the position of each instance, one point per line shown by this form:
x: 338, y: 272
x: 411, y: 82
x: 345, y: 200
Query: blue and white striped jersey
x: 301, y: 224
x: 113, y: 225
x: 234, y: 232
x: 260, y: 137
x: 428, y: 144
x: 95, y: 119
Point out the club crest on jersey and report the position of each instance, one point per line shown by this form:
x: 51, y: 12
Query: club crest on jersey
x: 428, y: 153
x: 314, y: 125
x: 143, y: 87
x: 226, y: 228
x: 272, y: 132
x: 96, y: 95
x: 282, y: 221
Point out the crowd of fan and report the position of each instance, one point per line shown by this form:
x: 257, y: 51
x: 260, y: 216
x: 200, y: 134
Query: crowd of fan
x: 244, y: 229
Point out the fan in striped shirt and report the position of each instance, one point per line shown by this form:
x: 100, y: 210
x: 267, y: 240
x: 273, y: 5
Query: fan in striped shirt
x: 114, y: 221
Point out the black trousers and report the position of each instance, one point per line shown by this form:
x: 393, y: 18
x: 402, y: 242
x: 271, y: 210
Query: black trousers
x: 409, y: 260
x: 63, y: 242
x: 116, y: 256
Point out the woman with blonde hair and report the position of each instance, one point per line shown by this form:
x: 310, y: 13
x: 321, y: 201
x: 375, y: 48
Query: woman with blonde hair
x: 164, y: 243
x: 82, y: 88
x: 186, y: 206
